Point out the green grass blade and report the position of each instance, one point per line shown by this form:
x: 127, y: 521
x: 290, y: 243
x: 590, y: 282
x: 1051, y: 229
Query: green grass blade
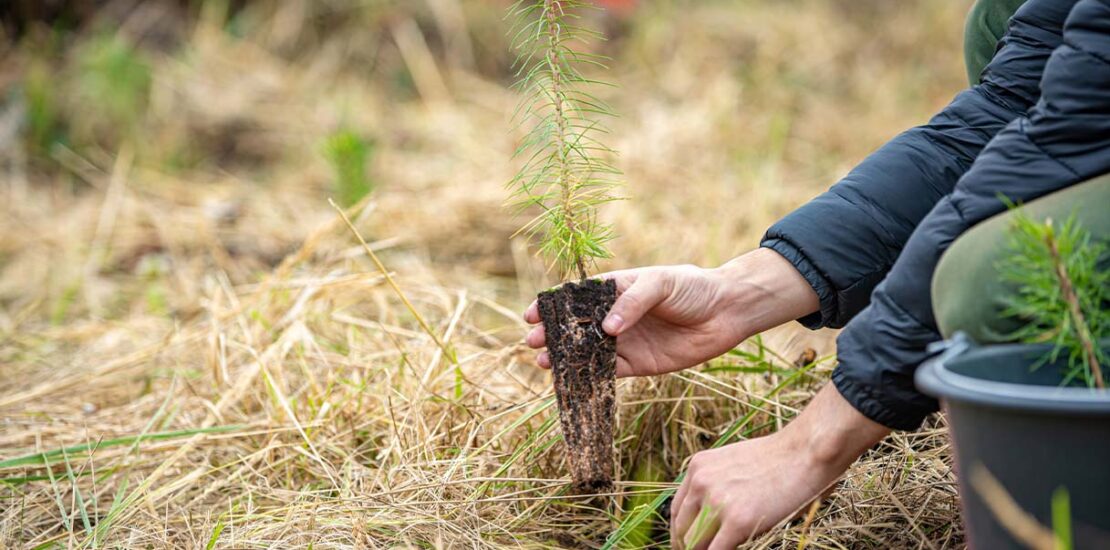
x: 50, y: 457
x: 77, y: 493
x: 58, y: 499
x: 215, y: 535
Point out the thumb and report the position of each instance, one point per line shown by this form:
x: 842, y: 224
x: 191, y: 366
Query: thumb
x: 644, y: 294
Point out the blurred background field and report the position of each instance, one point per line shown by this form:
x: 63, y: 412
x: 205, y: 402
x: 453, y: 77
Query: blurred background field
x: 196, y: 352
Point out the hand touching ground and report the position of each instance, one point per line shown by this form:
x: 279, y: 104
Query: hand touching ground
x: 739, y: 491
x: 668, y: 318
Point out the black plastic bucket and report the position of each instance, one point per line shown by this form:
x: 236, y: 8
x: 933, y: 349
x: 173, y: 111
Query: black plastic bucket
x: 1031, y: 435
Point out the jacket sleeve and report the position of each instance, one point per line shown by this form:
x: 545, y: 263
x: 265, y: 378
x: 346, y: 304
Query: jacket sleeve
x: 845, y: 240
x: 1064, y: 140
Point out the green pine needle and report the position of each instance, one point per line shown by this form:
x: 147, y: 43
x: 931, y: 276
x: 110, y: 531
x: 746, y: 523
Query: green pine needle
x: 565, y: 175
x: 1060, y: 295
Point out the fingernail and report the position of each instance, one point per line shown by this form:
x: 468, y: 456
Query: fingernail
x: 613, y: 324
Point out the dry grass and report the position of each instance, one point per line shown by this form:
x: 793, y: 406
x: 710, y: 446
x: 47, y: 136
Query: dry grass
x: 223, y: 366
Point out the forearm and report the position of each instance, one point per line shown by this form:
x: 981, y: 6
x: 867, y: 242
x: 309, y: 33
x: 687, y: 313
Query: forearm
x: 832, y: 432
x: 761, y: 290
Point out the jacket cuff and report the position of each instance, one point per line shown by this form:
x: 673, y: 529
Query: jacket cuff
x: 825, y: 294
x: 871, y: 405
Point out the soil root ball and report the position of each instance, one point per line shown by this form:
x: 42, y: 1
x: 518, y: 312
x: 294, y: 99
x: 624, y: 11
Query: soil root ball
x: 584, y: 367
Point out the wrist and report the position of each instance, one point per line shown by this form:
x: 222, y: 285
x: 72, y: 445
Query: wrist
x: 761, y: 290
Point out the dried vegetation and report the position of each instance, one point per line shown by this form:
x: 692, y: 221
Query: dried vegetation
x: 195, y: 352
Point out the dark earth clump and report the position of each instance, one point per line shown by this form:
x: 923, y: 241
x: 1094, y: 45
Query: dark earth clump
x: 584, y: 365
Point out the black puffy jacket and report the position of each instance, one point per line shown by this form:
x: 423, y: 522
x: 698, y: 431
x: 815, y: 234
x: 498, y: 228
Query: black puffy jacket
x: 1038, y: 121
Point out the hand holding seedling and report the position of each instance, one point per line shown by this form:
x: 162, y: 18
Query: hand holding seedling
x: 660, y: 332
x: 668, y: 318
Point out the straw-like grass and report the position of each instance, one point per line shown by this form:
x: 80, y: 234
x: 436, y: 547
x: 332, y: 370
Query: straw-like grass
x: 196, y: 352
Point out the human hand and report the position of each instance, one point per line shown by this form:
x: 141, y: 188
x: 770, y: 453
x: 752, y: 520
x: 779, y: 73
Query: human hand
x: 668, y: 318
x: 742, y: 490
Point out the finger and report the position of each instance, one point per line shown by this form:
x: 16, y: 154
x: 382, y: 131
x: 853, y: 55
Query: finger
x: 543, y: 360
x: 703, y: 529
x: 727, y: 538
x: 536, y: 338
x: 679, y: 497
x: 687, y: 510
x: 532, y: 313
x: 623, y: 277
x: 644, y: 294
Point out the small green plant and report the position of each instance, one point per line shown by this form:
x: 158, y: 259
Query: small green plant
x: 1060, y: 293
x: 114, y: 80
x: 565, y: 175
x: 348, y: 153
x: 44, y: 125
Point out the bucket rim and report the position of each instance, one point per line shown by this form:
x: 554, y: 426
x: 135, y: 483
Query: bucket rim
x: 934, y: 378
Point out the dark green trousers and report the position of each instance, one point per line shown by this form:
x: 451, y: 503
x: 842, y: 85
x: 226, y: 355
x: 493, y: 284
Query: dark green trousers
x: 967, y: 291
x: 986, y: 23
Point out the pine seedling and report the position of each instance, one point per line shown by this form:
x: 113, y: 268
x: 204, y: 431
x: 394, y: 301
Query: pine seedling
x: 1060, y: 294
x: 349, y: 153
x: 565, y: 175
x: 566, y: 178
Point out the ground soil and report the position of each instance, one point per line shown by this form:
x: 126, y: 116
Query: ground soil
x: 583, y: 359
